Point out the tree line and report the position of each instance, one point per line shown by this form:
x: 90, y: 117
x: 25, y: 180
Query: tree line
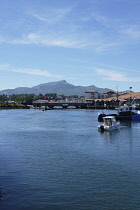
x: 29, y: 98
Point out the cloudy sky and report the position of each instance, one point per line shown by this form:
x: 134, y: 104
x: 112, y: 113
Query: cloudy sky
x: 85, y: 42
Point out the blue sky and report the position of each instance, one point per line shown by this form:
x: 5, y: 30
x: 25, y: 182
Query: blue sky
x: 85, y: 42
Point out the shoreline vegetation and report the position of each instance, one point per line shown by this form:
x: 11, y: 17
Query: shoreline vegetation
x: 7, y: 105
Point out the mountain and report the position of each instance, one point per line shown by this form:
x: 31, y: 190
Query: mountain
x: 60, y: 87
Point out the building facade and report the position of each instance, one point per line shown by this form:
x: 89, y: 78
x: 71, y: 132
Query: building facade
x: 91, y: 94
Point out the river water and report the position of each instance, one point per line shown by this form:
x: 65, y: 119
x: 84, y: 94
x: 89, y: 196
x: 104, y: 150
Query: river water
x: 57, y: 159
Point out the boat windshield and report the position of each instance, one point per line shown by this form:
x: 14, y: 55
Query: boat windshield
x: 108, y: 122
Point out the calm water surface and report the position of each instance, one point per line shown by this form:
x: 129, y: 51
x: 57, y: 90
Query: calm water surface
x: 58, y: 159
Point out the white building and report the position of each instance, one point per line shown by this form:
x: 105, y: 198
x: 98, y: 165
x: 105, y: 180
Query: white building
x: 110, y: 94
x: 91, y: 94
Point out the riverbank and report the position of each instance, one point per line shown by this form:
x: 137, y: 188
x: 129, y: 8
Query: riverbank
x: 13, y: 106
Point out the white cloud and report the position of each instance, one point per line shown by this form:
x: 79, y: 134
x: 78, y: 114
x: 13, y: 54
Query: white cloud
x: 4, y: 67
x: 28, y: 71
x: 111, y: 75
x: 40, y: 18
x: 66, y: 41
x: 106, y: 46
x: 132, y: 31
x: 63, y: 27
x: 32, y: 71
x: 115, y: 76
x: 52, y: 15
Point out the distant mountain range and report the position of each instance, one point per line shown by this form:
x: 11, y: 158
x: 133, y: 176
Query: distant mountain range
x: 59, y: 87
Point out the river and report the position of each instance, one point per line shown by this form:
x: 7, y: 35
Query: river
x: 57, y: 159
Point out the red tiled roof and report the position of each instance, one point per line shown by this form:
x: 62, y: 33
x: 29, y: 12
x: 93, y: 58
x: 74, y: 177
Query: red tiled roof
x: 91, y: 91
x: 123, y: 97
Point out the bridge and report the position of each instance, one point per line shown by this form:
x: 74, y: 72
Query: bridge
x: 65, y: 105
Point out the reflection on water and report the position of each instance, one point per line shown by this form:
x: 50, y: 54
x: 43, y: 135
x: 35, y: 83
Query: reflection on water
x: 109, y: 136
x: 126, y: 124
x: 121, y: 136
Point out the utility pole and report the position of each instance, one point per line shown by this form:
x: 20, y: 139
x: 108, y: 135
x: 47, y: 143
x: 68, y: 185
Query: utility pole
x: 130, y: 94
x: 117, y: 93
x: 117, y: 96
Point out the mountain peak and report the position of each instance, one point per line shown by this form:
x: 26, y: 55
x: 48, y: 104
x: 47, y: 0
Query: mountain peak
x: 58, y: 87
x: 62, y: 82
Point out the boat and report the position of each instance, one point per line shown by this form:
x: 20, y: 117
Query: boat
x: 109, y: 123
x: 123, y: 113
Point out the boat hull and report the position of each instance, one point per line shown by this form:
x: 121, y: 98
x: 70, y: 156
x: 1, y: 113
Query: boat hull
x: 134, y: 117
x: 108, y: 128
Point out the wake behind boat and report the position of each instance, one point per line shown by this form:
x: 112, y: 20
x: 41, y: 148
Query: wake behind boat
x: 109, y: 123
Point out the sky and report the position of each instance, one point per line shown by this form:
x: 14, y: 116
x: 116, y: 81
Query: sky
x: 85, y: 42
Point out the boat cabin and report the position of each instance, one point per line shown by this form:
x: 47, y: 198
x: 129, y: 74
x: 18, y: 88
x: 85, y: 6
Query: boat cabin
x: 109, y: 120
x: 125, y: 111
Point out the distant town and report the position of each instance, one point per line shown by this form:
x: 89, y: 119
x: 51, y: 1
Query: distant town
x: 92, y: 98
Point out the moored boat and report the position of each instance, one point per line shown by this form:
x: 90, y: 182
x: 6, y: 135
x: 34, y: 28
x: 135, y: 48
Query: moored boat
x: 124, y: 113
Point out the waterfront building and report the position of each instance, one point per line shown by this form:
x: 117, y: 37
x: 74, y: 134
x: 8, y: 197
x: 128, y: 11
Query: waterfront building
x: 91, y: 94
x: 108, y: 94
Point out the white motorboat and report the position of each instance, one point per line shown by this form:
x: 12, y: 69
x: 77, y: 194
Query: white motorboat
x: 109, y: 123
